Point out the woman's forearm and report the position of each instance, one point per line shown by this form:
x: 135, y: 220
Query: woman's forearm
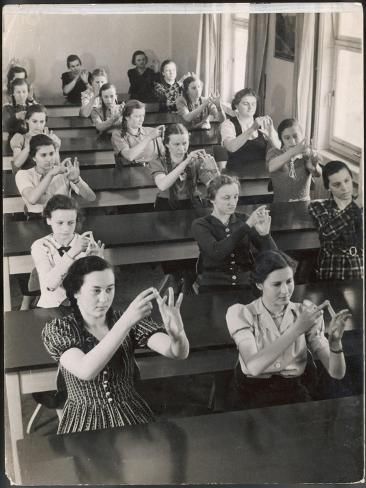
x: 85, y: 191
x: 133, y: 153
x: 179, y: 346
x: 234, y: 145
x: 69, y: 87
x: 163, y: 182
x: 86, y: 110
x: 21, y: 157
x: 279, y: 162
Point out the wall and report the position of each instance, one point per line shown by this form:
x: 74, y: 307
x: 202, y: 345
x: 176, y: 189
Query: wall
x: 279, y: 88
x: 108, y: 41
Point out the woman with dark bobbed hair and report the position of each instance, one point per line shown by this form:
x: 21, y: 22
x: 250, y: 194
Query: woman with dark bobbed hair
x: 245, y: 135
x: 340, y: 223
x: 94, y: 346
x: 273, y: 335
x: 227, y: 238
x: 142, y: 78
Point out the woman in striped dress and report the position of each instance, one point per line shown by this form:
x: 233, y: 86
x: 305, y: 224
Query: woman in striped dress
x: 95, y: 345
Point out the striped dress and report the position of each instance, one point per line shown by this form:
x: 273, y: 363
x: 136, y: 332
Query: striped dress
x: 110, y: 399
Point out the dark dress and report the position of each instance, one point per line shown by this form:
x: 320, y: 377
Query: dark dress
x: 252, y: 150
x: 142, y: 85
x: 11, y: 124
x: 110, y: 399
x: 226, y: 251
x: 75, y: 95
x: 341, y: 240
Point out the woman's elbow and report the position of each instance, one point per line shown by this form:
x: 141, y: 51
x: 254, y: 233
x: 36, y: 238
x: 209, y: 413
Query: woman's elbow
x: 337, y: 375
x: 92, y: 196
x: 128, y: 156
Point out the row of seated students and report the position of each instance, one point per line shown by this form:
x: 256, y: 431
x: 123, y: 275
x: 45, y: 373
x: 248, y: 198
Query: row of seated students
x: 94, y: 345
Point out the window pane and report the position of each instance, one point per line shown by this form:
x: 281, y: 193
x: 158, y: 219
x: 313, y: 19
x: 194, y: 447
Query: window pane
x: 348, y: 97
x: 350, y: 24
x: 239, y: 57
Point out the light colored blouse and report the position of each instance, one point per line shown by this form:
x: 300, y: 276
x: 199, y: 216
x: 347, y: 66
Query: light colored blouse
x: 256, y: 325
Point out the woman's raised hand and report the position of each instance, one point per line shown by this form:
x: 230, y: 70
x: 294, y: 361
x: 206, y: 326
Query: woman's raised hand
x: 309, y: 316
x: 263, y: 222
x: 209, y: 163
x: 254, y: 216
x: 73, y: 169
x: 53, y: 136
x: 265, y: 125
x: 59, y: 168
x: 140, y: 307
x: 84, y: 75
x: 170, y: 313
x: 81, y: 244
x: 20, y: 115
x: 336, y: 328
x: 30, y: 92
x: 157, y: 132
x: 215, y: 98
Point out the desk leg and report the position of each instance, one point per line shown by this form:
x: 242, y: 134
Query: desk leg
x: 7, y: 296
x: 15, y: 418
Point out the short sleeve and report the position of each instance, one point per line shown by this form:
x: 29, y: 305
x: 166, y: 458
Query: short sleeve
x: 119, y: 143
x: 227, y: 130
x: 61, y: 335
x: 23, y: 180
x: 240, y: 323
x: 315, y: 337
x: 272, y: 153
x: 156, y: 167
x: 17, y: 142
x: 144, y: 329
x: 65, y: 78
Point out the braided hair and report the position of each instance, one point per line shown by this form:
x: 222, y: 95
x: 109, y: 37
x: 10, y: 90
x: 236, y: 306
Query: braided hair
x: 177, y: 129
x: 103, y: 88
x: 128, y: 109
x: 186, y: 82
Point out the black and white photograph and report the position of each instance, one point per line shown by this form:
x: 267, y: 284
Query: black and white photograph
x: 183, y: 221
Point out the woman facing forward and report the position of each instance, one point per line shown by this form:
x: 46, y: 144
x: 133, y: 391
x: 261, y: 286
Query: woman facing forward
x: 94, y: 346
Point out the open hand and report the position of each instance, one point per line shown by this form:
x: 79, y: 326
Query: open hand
x: 84, y: 75
x: 254, y: 216
x: 58, y: 168
x: 140, y: 307
x: 170, y: 313
x: 20, y: 115
x: 95, y: 248
x: 72, y: 169
x: 337, y: 326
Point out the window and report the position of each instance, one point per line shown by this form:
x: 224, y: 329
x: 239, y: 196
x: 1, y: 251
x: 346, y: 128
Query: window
x: 346, y: 120
x: 234, y: 52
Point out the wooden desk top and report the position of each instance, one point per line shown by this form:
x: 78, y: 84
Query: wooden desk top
x: 91, y: 144
x: 314, y: 442
x: 128, y: 177
x: 203, y: 316
x: 165, y: 226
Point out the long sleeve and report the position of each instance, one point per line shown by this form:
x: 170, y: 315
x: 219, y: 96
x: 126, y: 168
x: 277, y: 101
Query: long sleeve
x: 262, y: 243
x: 217, y: 249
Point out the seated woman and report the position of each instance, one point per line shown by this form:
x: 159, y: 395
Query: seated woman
x: 245, y: 136
x: 35, y: 120
x: 168, y: 89
x: 74, y: 81
x: 54, y: 254
x: 109, y: 115
x: 18, y: 72
x: 94, y: 346
x: 339, y: 221
x: 196, y: 111
x: 178, y: 173
x: 49, y: 176
x: 14, y: 112
x: 134, y: 143
x: 273, y: 335
x: 227, y: 239
x: 293, y: 166
x: 141, y: 79
x: 90, y: 98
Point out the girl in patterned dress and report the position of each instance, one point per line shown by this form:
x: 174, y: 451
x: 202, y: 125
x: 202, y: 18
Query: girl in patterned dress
x: 168, y: 89
x: 340, y: 223
x: 293, y: 166
x: 95, y: 347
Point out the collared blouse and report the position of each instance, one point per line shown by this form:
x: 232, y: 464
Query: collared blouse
x: 125, y: 142
x: 256, y: 325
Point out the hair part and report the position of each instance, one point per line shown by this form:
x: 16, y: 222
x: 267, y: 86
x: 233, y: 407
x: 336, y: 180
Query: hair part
x: 37, y: 141
x: 128, y: 109
x: 138, y: 53
x: 243, y: 93
x: 268, y: 261
x: 35, y: 109
x: 60, y: 202
x: 218, y: 182
x: 98, y: 72
x: 331, y: 168
x: 71, y: 58
x: 10, y: 76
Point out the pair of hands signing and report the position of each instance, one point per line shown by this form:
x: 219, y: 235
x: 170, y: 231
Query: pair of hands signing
x: 260, y: 220
x: 141, y: 308
x: 67, y: 167
x: 87, y: 244
x: 310, y: 315
x: 28, y: 136
x: 200, y: 156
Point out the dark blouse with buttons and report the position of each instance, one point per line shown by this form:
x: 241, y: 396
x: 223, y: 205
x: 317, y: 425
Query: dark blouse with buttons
x: 110, y: 399
x: 226, y: 252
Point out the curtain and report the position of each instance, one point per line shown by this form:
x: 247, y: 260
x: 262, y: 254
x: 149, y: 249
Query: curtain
x: 256, y: 56
x: 304, y: 71
x: 209, y: 53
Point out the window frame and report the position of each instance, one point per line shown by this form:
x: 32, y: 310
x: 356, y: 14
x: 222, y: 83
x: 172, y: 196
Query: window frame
x: 336, y: 144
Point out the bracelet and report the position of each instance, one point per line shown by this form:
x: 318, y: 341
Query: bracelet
x: 340, y: 351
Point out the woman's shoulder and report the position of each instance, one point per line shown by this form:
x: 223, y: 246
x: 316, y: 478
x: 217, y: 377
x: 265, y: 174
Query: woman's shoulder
x: 63, y: 326
x: 238, y: 313
x: 37, y: 244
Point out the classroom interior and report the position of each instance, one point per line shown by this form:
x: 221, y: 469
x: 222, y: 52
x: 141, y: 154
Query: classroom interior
x: 197, y: 439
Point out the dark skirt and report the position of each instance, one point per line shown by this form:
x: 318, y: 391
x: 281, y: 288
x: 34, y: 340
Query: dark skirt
x: 164, y: 204
x: 265, y: 392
